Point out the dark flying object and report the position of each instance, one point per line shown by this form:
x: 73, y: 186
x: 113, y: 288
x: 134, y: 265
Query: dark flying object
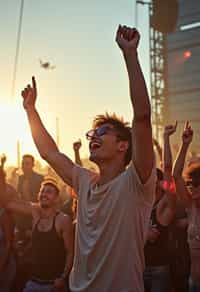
x: 46, y: 65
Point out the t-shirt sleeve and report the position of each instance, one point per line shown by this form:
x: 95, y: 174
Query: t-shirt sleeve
x: 80, y: 177
x: 143, y: 191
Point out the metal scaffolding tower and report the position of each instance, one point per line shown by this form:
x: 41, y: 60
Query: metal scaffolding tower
x: 158, y: 81
x: 157, y: 72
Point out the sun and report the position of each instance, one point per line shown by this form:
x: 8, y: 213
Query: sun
x: 14, y: 129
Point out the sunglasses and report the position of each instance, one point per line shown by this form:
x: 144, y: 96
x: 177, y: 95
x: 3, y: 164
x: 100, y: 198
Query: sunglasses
x: 99, y: 132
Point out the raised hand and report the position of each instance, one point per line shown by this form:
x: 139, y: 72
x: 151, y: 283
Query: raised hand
x: 29, y: 95
x: 187, y: 135
x: 170, y: 129
x: 77, y: 145
x: 3, y: 160
x: 127, y: 39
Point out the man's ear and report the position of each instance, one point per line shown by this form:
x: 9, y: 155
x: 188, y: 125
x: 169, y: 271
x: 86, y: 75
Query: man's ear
x: 123, y: 146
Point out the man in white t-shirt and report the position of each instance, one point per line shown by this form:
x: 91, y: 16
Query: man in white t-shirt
x: 115, y: 205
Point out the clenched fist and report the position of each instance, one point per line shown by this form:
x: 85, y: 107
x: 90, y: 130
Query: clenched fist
x: 127, y: 39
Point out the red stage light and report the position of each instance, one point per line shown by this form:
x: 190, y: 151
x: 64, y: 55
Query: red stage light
x: 187, y: 54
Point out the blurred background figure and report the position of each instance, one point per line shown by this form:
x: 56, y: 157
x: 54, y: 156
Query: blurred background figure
x: 29, y: 184
x: 7, y: 259
x: 30, y: 181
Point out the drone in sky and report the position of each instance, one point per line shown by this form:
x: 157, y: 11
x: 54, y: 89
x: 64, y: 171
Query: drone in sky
x: 46, y: 65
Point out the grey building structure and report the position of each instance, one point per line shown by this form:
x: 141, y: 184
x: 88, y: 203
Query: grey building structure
x: 183, y: 71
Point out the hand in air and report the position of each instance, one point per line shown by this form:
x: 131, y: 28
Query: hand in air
x: 127, y: 39
x: 77, y: 145
x: 170, y: 129
x: 29, y: 95
x: 187, y: 135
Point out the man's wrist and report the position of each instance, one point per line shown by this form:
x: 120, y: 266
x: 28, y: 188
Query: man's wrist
x: 30, y: 109
x: 133, y: 54
x: 185, y: 145
x: 166, y: 136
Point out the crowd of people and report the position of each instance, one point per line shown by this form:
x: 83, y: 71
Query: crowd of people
x: 129, y: 224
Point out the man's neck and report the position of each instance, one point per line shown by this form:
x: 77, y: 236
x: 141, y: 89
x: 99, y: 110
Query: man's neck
x: 109, y: 171
x: 28, y: 174
x: 47, y: 212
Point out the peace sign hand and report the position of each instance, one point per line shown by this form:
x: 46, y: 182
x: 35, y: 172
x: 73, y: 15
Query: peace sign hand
x: 187, y: 135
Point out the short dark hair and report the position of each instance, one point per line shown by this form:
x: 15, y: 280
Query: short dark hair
x: 29, y: 156
x: 51, y: 182
x: 123, y: 129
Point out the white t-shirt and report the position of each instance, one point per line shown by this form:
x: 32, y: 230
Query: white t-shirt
x: 112, y: 221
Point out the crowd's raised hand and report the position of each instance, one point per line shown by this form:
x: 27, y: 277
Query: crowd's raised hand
x: 77, y: 145
x: 127, y: 39
x: 29, y: 95
x: 187, y: 134
x: 170, y: 129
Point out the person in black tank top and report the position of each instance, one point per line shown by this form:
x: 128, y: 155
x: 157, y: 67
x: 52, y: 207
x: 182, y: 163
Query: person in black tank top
x: 52, y: 241
x: 157, y: 254
x: 43, y: 257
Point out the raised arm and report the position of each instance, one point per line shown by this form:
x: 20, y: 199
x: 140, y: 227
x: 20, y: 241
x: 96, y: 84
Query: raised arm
x: 76, y: 146
x: 21, y: 206
x: 9, y: 200
x: 179, y: 165
x: 43, y: 141
x: 128, y: 40
x: 159, y: 151
x: 167, y: 153
x: 167, y: 206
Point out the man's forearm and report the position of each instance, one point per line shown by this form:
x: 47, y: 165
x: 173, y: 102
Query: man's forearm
x: 20, y: 206
x: 68, y: 264
x: 77, y: 158
x: 180, y: 161
x: 167, y: 155
x: 138, y: 89
x: 41, y: 137
x: 159, y: 149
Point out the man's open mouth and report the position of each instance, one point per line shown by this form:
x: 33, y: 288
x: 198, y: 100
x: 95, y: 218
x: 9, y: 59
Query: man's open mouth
x: 94, y: 145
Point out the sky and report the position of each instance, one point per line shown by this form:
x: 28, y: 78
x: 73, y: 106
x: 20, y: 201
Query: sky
x: 90, y: 77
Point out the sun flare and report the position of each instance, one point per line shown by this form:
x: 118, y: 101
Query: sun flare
x: 13, y: 128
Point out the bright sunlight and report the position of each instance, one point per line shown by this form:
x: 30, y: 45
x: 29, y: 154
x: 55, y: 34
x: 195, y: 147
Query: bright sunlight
x: 14, y: 127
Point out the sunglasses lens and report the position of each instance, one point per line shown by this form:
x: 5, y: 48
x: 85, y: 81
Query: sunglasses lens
x: 98, y: 132
x: 90, y: 134
x: 101, y: 131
